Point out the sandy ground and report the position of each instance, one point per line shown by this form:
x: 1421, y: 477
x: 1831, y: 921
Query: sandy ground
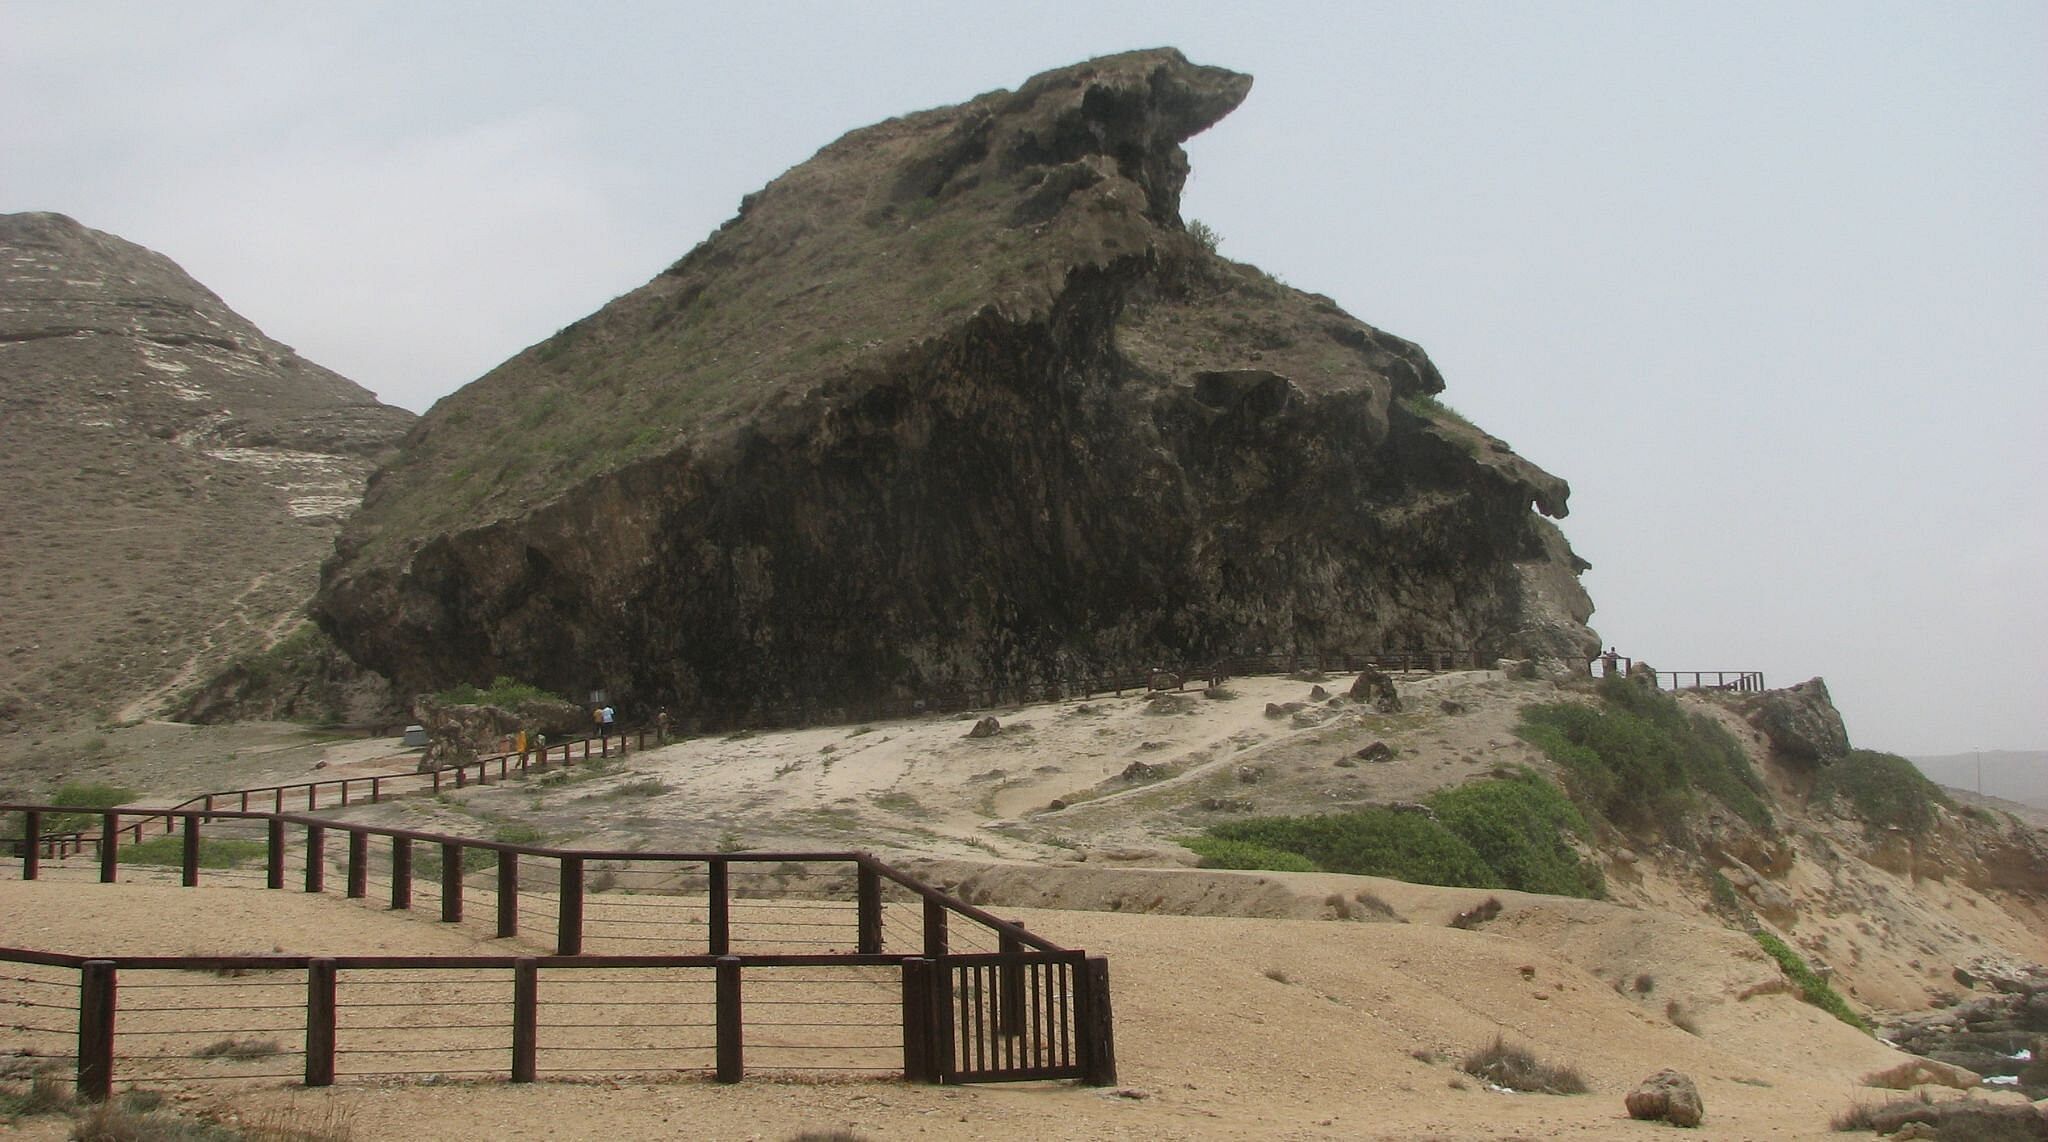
x: 1227, y: 1027
x: 1249, y: 1005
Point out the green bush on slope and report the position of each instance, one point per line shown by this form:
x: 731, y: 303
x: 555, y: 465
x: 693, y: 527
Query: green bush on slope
x: 1639, y: 760
x: 1886, y: 790
x: 1509, y: 832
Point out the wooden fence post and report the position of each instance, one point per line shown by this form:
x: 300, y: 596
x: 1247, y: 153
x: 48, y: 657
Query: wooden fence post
x: 274, y: 860
x: 1095, y: 1023
x: 508, y: 893
x: 451, y: 882
x: 358, y: 864
x: 569, y: 926
x: 525, y: 1018
x: 1010, y: 985
x: 320, y: 1022
x: 31, y: 844
x: 96, y: 983
x: 190, y: 853
x: 401, y: 873
x: 110, y: 847
x: 868, y: 887
x: 934, y: 928
x: 721, y: 907
x: 316, y: 858
x: 731, y: 1049
x: 920, y: 1057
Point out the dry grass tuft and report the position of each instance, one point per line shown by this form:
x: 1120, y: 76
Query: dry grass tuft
x: 1681, y: 1018
x: 1374, y: 905
x: 1473, y: 917
x: 239, y: 1049
x: 1516, y: 1068
x: 1278, y: 975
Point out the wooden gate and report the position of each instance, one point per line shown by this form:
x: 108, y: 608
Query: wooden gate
x: 1008, y: 1017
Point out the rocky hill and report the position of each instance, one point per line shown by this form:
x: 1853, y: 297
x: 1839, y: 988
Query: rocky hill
x: 173, y: 476
x: 960, y: 400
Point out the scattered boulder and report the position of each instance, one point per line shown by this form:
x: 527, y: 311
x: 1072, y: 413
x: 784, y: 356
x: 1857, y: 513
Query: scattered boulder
x: 1317, y: 694
x: 1250, y: 774
x: 1163, y: 680
x: 1451, y: 706
x: 1377, y: 690
x: 1346, y: 763
x: 987, y: 727
x: 1668, y: 1096
x: 1282, y: 709
x: 1144, y: 771
x: 459, y: 733
x: 1377, y: 751
x: 1169, y: 702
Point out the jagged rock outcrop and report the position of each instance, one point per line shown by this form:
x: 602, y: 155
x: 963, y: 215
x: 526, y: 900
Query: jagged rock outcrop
x: 957, y: 401
x: 459, y: 732
x: 173, y: 476
x: 1801, y: 722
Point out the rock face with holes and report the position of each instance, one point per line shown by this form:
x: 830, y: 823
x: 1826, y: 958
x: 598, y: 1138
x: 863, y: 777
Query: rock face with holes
x: 173, y: 475
x: 958, y: 401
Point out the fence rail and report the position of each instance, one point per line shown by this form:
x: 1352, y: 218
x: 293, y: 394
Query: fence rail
x: 874, y: 939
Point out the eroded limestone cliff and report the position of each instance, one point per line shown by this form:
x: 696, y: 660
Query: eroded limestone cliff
x: 957, y: 401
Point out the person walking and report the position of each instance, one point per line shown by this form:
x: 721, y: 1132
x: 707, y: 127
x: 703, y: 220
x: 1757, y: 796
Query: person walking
x: 604, y: 733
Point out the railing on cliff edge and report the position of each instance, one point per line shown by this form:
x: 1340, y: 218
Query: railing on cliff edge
x: 978, y: 1001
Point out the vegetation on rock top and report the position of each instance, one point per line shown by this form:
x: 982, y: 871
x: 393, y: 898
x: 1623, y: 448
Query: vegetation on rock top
x: 1641, y: 762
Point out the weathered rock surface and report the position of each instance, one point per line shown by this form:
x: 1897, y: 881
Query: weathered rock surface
x: 1801, y: 722
x: 459, y: 732
x: 1668, y: 1096
x: 957, y: 401
x: 173, y: 476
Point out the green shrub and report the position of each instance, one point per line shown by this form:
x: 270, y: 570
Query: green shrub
x: 85, y: 795
x: 1520, y: 826
x: 1369, y: 842
x: 1884, y: 789
x: 503, y: 692
x: 1812, y: 988
x: 1218, y: 853
x: 1509, y: 832
x: 213, y: 853
x: 1638, y: 759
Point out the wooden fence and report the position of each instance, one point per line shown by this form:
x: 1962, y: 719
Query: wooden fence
x: 970, y: 997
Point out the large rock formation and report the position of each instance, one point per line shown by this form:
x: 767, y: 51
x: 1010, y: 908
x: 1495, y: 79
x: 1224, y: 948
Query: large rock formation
x: 958, y: 401
x: 173, y: 476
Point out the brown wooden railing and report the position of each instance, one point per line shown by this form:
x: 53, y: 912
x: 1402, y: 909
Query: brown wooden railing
x: 1732, y: 681
x: 975, y: 998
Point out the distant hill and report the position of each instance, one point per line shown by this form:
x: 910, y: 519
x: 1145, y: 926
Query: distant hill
x: 173, y: 476
x: 2016, y: 775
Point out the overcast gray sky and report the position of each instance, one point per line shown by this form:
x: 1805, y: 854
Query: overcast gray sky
x: 1768, y: 283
